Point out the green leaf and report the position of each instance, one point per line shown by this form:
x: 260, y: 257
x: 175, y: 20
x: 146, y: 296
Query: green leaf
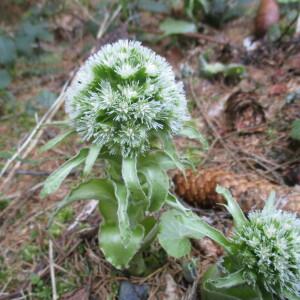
x: 111, y: 244
x: 45, y: 98
x: 205, y: 4
x: 175, y: 229
x: 91, y: 159
x: 173, y: 202
x: 131, y: 179
x: 190, y: 131
x: 158, y: 186
x: 288, y: 1
x: 209, y: 291
x: 212, y: 69
x: 55, y: 141
x: 123, y: 218
x: 24, y: 44
x: 54, y: 181
x: 159, y: 158
x: 232, y: 206
x: 170, y: 150
x: 98, y: 189
x: 5, y: 79
x: 7, y: 50
x: 153, y: 6
x: 295, y: 133
x: 172, y: 26
x: 270, y: 203
x: 230, y: 280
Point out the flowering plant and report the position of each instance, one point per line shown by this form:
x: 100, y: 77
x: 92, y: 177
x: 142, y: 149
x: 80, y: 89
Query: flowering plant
x: 124, y: 101
x: 263, y: 253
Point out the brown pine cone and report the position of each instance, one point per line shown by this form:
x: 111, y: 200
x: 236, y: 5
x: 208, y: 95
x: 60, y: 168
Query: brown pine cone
x: 244, y: 113
x: 199, y: 189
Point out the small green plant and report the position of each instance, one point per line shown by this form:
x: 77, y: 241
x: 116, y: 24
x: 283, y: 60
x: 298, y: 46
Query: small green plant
x: 263, y: 254
x: 125, y: 102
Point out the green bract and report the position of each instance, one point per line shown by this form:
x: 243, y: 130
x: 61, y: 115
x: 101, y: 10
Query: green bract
x: 124, y: 100
x: 124, y: 96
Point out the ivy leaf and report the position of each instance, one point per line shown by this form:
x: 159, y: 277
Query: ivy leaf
x: 98, y: 189
x: 54, y: 181
x: 91, y: 159
x: 175, y: 230
x: 111, y: 244
x: 5, y: 79
x: 158, y: 186
x: 171, y: 26
x: 7, y: 50
x: 55, y: 141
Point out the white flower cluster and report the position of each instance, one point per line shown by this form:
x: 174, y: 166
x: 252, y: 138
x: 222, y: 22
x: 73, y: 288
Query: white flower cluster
x: 123, y: 96
x: 268, y: 249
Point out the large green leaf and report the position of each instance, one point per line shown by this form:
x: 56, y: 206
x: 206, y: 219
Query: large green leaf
x: 131, y: 179
x: 172, y: 26
x: 159, y: 158
x: 91, y: 158
x: 7, y: 50
x: 55, y: 141
x: 158, y: 186
x: 177, y: 227
x: 232, y: 206
x: 54, y: 181
x: 111, y: 244
x: 98, y: 189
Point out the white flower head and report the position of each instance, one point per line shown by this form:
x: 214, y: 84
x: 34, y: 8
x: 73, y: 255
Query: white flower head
x: 267, y: 249
x: 123, y: 96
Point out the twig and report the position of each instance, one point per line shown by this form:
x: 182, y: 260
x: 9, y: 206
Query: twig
x: 36, y: 133
x: 213, y: 129
x: 52, y: 271
x: 33, y: 138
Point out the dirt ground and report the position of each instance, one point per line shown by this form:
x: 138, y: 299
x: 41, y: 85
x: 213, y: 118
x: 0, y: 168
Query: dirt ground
x: 247, y: 121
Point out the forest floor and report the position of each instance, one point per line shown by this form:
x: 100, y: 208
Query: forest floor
x: 246, y: 119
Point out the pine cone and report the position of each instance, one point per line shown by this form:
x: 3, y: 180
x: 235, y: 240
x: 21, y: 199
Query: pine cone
x: 244, y: 113
x: 199, y: 189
